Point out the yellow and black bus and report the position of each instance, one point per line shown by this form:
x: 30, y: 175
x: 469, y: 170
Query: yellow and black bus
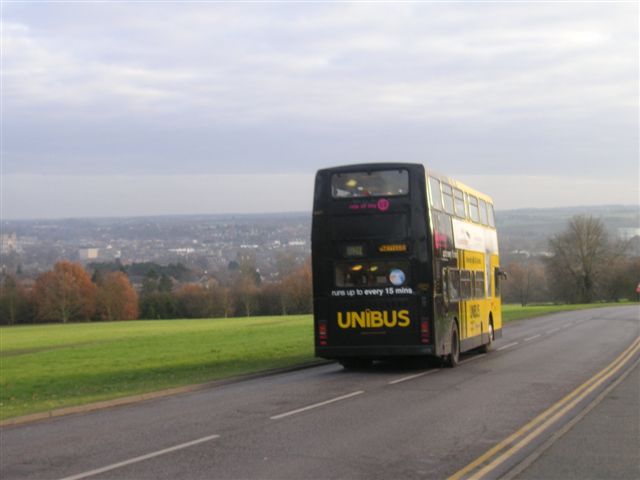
x: 405, y: 263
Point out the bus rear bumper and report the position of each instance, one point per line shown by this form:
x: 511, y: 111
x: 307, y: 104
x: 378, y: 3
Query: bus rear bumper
x: 374, y: 352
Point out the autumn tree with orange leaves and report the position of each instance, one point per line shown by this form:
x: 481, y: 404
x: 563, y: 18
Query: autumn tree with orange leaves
x: 116, y: 298
x: 65, y: 294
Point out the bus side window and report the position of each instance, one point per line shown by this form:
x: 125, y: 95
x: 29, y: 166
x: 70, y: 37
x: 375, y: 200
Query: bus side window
x: 499, y: 276
x: 453, y: 284
x: 478, y: 282
x: 436, y: 196
x: 459, y: 203
x: 443, y: 232
x: 447, y: 196
x: 483, y: 212
x: 473, y: 209
x: 492, y: 222
x: 465, y: 284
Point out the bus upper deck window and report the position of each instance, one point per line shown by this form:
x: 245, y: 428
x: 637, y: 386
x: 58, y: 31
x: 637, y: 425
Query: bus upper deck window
x: 376, y: 183
x: 459, y: 203
x: 447, y: 195
x: 483, y: 212
x: 436, y: 197
x: 492, y: 221
x: 473, y: 209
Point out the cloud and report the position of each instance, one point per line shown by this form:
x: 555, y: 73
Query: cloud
x: 223, y: 88
x: 245, y: 63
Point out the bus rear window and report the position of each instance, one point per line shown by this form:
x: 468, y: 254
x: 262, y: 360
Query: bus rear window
x: 372, y: 274
x: 377, y: 183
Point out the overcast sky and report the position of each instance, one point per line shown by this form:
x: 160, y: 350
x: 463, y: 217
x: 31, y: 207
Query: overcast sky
x: 116, y: 109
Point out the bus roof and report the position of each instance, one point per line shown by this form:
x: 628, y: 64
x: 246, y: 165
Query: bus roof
x: 409, y: 166
x: 462, y: 186
x: 354, y: 167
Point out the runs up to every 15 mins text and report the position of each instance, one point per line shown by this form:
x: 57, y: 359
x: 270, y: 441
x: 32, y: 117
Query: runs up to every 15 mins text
x: 371, y: 292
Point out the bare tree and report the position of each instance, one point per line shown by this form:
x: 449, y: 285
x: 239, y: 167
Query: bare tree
x: 13, y: 300
x: 580, y: 255
x: 297, y: 291
x: 246, y: 295
x: 622, y: 278
x: 526, y: 282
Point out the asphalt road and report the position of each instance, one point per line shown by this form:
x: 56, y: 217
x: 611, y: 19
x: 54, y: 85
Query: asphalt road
x: 392, y: 421
x: 605, y: 444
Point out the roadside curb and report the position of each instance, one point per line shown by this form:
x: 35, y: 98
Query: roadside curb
x: 117, y: 402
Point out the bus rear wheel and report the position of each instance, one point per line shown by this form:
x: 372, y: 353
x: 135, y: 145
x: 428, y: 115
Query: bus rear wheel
x: 453, y: 359
x: 486, y: 348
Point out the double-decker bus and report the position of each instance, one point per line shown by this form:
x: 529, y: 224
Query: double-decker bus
x: 405, y: 263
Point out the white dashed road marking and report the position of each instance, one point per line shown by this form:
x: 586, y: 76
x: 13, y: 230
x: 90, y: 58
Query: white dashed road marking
x: 508, y: 345
x: 411, y: 377
x: 316, y: 405
x: 164, y: 451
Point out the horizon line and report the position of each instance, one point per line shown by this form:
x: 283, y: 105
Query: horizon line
x: 291, y: 212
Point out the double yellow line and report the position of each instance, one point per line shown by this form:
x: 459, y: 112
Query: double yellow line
x: 508, y: 447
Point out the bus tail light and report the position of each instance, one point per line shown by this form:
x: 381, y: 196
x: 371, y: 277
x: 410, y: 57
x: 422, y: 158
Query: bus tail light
x: 424, y: 330
x: 322, y: 332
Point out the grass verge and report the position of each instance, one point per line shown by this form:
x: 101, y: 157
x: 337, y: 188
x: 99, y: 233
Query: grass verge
x: 44, y: 367
x: 512, y: 312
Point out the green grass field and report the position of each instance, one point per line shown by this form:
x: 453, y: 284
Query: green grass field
x: 51, y: 366
x: 44, y: 367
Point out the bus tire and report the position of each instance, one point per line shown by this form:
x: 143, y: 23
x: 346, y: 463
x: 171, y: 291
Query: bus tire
x: 355, y: 363
x: 453, y: 359
x: 486, y: 348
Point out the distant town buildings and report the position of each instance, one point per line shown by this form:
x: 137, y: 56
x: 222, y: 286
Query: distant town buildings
x: 297, y: 243
x: 93, y: 254
x: 200, y: 243
x: 86, y: 254
x: 628, y: 233
x: 274, y: 243
x: 182, y: 251
x: 9, y: 243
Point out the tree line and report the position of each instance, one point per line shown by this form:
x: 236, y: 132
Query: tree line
x: 584, y: 265
x: 67, y: 293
